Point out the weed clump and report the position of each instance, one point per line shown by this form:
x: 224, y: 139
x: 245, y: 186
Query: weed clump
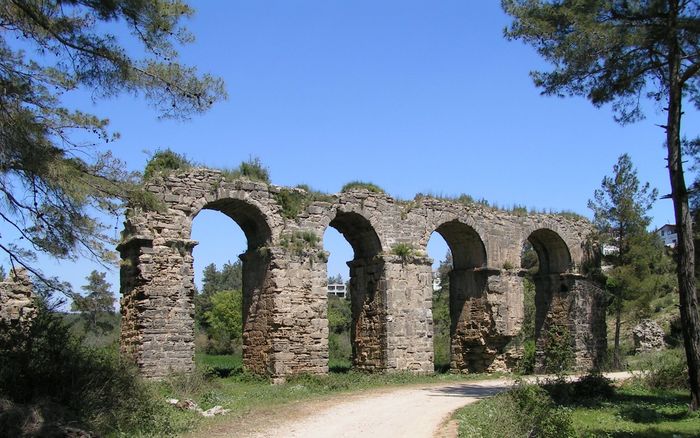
x: 526, y: 410
x: 294, y: 202
x: 253, y: 169
x: 403, y: 250
x: 362, y: 185
x: 304, y: 243
x: 163, y: 162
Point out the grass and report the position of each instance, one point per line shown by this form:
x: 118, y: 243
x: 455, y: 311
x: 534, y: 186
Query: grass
x: 639, y: 412
x: 249, y: 397
x: 362, y: 185
x: 219, y: 365
x: 631, y: 410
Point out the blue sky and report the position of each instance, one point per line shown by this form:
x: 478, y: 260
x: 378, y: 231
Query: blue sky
x: 415, y: 96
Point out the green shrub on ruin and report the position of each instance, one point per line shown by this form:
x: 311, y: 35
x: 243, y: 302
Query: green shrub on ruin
x: 253, y: 169
x: 362, y: 185
x: 164, y: 162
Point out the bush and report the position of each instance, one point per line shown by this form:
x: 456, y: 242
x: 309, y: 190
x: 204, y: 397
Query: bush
x: 252, y: 169
x: 587, y: 390
x: 593, y: 386
x: 666, y: 370
x: 164, y: 162
x: 558, y: 351
x: 403, y: 250
x: 362, y: 185
x: 524, y: 411
x: 45, y: 368
x: 527, y: 362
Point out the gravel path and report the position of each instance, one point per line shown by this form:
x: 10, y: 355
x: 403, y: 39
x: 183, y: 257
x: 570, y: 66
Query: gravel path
x: 418, y: 411
x: 405, y: 412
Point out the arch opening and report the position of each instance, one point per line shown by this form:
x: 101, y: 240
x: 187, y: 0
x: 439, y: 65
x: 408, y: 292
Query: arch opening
x: 358, y: 231
x: 218, y: 279
x: 552, y: 252
x: 230, y: 309
x: 552, y: 321
x: 339, y: 308
x: 465, y: 282
x: 467, y: 248
x: 366, y: 290
x: 248, y: 217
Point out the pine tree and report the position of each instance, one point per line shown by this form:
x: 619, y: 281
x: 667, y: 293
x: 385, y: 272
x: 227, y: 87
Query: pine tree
x: 55, y: 170
x: 620, y: 209
x: 96, y: 301
x: 620, y: 52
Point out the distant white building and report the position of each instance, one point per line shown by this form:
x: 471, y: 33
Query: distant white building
x: 437, y: 284
x: 668, y: 235
x: 610, y: 249
x: 337, y: 290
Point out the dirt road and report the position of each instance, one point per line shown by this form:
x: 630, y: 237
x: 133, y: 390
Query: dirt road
x: 416, y: 411
x: 405, y: 412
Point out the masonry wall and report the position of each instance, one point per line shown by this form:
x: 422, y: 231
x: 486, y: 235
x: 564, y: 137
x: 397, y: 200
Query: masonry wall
x: 285, y: 303
x: 574, y: 307
x: 409, y: 323
x: 368, y: 333
x: 17, y: 307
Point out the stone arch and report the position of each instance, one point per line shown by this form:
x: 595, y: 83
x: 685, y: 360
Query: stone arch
x: 468, y: 304
x: 465, y: 243
x: 555, y: 297
x: 256, y: 309
x: 552, y: 251
x: 359, y: 232
x: 367, y: 290
x: 247, y: 215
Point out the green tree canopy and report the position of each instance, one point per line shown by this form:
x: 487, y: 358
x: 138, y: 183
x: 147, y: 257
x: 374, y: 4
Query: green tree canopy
x: 621, y: 205
x: 620, y: 209
x: 229, y: 278
x: 225, y: 320
x: 645, y: 273
x: 96, y: 301
x: 55, y: 173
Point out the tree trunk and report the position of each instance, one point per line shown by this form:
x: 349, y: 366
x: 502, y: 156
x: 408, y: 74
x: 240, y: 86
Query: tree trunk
x: 617, y: 362
x: 690, y: 319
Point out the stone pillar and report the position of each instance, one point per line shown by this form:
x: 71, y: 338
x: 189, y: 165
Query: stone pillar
x: 505, y: 294
x: 589, y: 330
x: 258, y: 306
x: 296, y: 305
x: 486, y: 312
x: 368, y: 300
x: 409, y: 322
x: 157, y: 305
x: 469, y: 319
x: 573, y: 307
x: 17, y: 307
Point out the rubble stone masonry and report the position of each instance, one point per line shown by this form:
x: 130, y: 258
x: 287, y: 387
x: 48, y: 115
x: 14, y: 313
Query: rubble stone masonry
x: 284, y: 278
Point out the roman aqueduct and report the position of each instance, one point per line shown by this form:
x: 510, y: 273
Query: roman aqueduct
x: 284, y: 278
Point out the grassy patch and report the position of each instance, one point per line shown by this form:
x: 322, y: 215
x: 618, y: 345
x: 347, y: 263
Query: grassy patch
x: 362, y: 185
x: 253, y: 169
x: 639, y: 412
x: 592, y: 407
x: 219, y: 365
x: 294, y: 202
